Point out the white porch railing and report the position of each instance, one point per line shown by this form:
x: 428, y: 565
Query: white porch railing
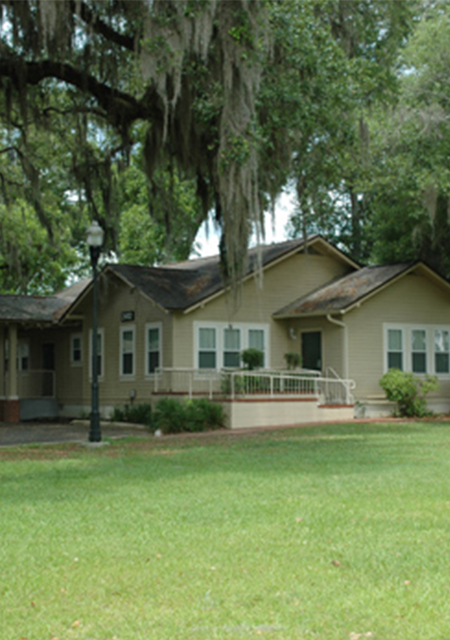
x: 188, y: 381
x: 325, y: 390
x: 269, y: 383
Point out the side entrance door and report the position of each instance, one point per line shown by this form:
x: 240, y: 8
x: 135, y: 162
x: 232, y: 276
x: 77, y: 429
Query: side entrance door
x: 312, y: 350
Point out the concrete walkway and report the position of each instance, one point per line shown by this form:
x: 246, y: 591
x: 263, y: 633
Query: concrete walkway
x: 36, y: 433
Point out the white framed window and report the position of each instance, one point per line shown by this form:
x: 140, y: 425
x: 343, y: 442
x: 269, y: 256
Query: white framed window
x: 127, y: 350
x: 100, y: 353
x: 153, y: 347
x: 231, y: 347
x: 257, y: 340
x: 207, y: 348
x: 418, y: 349
x: 23, y: 355
x: 442, y: 351
x: 76, y: 349
x: 219, y: 345
x: 395, y: 355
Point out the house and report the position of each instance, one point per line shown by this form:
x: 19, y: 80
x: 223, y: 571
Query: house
x: 178, y: 330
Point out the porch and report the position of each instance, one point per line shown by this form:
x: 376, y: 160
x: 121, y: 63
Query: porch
x: 29, y: 394
x: 264, y: 397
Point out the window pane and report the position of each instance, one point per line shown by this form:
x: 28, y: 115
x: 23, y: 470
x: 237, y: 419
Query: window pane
x: 256, y: 339
x: 231, y: 359
x: 127, y: 341
x: 395, y: 361
x: 207, y: 338
x: 76, y: 349
x: 207, y: 360
x: 153, y: 361
x: 442, y: 363
x: 441, y: 341
x: 419, y: 342
x: 153, y: 339
x: 127, y: 363
x: 232, y: 339
x: 395, y: 340
x: 419, y: 362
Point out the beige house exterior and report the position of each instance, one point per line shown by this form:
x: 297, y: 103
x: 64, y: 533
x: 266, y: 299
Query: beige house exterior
x: 173, y: 329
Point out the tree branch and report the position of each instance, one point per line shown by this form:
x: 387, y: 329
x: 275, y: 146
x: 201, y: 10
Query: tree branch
x: 81, y: 10
x: 120, y: 108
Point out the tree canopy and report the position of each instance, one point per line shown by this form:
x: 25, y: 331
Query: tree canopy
x: 184, y: 72
x: 148, y: 115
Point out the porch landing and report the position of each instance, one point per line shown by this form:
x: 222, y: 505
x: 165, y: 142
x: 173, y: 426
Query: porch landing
x: 245, y: 413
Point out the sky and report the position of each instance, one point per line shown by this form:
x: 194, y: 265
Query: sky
x: 207, y: 244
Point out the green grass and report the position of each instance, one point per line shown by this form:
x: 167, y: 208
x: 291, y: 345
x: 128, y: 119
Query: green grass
x: 333, y: 533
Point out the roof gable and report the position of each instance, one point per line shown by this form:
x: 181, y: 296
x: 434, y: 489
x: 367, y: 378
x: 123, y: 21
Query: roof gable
x: 345, y: 293
x: 184, y: 285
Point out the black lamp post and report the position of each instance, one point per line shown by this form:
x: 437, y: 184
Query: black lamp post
x: 95, y: 240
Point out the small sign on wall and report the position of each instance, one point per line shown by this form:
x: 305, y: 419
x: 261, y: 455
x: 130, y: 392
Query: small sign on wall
x: 127, y: 316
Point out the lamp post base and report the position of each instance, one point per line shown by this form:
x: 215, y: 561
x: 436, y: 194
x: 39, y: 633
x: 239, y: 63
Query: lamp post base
x: 95, y: 434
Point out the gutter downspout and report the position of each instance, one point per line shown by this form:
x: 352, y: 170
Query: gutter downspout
x: 343, y: 326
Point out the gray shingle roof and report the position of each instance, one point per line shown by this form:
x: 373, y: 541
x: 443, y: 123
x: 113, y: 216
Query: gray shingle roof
x: 182, y: 285
x: 345, y: 292
x: 45, y: 309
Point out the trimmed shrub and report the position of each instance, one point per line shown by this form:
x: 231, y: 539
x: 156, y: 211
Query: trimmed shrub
x: 134, y: 413
x: 170, y: 416
x: 203, y: 415
x: 408, y: 391
x: 252, y: 358
x: 173, y: 416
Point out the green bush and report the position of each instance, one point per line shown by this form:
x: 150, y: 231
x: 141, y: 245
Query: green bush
x: 173, y: 416
x: 293, y: 360
x: 408, y: 391
x: 203, y: 415
x: 252, y: 358
x: 225, y: 384
x: 134, y: 413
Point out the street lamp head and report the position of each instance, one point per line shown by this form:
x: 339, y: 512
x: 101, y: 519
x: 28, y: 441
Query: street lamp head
x: 95, y: 235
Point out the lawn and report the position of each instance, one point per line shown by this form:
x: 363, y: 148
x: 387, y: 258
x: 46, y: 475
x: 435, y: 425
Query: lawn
x: 337, y: 533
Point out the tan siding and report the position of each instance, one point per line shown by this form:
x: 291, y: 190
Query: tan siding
x: 114, y: 299
x: 412, y: 300
x: 281, y: 285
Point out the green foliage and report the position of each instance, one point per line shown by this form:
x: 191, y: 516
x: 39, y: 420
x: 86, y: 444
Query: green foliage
x: 134, y: 413
x: 147, y: 235
x: 252, y: 358
x: 293, y: 360
x: 408, y: 391
x: 174, y: 416
x: 204, y: 415
x: 238, y: 382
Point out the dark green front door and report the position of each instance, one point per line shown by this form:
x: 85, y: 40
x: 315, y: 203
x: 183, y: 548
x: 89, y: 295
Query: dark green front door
x: 312, y: 350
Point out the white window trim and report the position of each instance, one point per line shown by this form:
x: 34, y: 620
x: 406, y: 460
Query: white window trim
x: 23, y: 344
x: 433, y: 355
x: 407, y: 329
x: 241, y: 341
x: 123, y: 329
x: 220, y: 327
x: 101, y: 333
x: 148, y: 326
x: 76, y: 363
